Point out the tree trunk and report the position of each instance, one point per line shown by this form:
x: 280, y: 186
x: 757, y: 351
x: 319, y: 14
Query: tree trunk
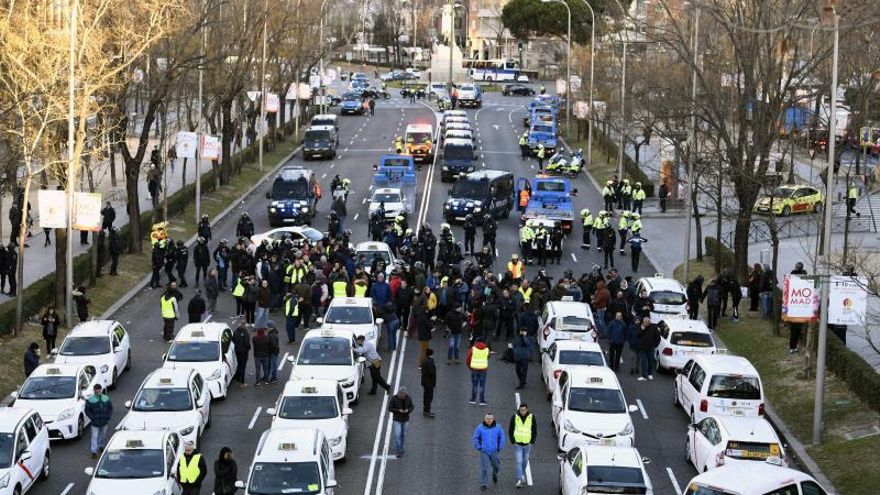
x: 698, y: 225
x: 774, y: 242
x: 132, y: 175
x: 19, y: 268
x: 228, y: 134
x: 718, y: 218
x: 61, y: 294
x: 741, y: 245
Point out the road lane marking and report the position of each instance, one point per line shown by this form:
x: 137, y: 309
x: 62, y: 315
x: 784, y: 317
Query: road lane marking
x: 356, y: 215
x: 324, y: 175
x: 574, y: 258
x: 208, y: 318
x: 529, y: 464
x: 67, y: 489
x: 674, y: 481
x: 283, y: 360
x: 642, y: 408
x: 254, y: 418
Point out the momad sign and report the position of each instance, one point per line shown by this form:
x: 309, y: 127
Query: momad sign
x: 800, y: 299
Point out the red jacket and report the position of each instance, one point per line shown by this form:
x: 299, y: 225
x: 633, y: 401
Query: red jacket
x: 478, y: 345
x: 395, y: 284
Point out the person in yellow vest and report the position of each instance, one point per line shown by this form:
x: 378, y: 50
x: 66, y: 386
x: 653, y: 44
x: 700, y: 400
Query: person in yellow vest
x: 360, y: 287
x: 540, y: 154
x: 599, y: 229
x: 516, y: 267
x: 587, y: 219
x: 623, y: 228
x: 522, y: 431
x: 291, y: 313
x: 638, y: 197
x: 852, y: 196
x: 524, y: 145
x: 608, y: 195
x: 624, y: 198
x: 478, y: 361
x: 636, y: 226
x: 526, y: 236
x: 168, y: 304
x: 525, y: 290
x: 191, y: 470
x: 338, y: 285
x: 237, y: 293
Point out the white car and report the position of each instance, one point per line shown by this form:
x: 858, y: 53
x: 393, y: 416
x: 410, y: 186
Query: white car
x: 208, y: 349
x: 59, y: 392
x: 370, y: 250
x: 754, y: 478
x: 589, y: 469
x: 138, y: 462
x: 567, y: 354
x: 437, y: 89
x: 291, y: 460
x: 316, y: 404
x: 589, y: 407
x: 329, y: 355
x: 414, y: 71
x: 464, y: 134
x: 354, y: 314
x: 719, y: 384
x: 565, y: 320
x: 104, y: 344
x: 720, y: 440
x: 667, y: 295
x: 297, y: 233
x: 680, y: 340
x: 170, y: 399
x: 391, y: 198
x: 24, y: 450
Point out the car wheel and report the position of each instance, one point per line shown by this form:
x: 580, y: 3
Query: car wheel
x: 786, y: 211
x: 44, y: 472
x: 675, y: 401
x: 113, y: 381
x: 341, y: 460
x: 817, y: 208
x: 80, y: 427
x: 128, y: 361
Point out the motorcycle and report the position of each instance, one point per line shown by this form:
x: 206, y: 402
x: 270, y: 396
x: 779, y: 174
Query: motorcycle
x: 560, y: 165
x: 444, y: 103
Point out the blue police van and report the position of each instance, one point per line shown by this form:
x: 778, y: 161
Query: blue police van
x: 480, y: 193
x: 294, y: 197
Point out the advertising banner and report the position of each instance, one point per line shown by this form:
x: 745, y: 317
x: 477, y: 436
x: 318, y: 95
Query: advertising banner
x: 847, y: 300
x: 186, y: 144
x: 52, y: 209
x: 87, y: 211
x: 272, y: 103
x: 210, y: 147
x: 800, y: 299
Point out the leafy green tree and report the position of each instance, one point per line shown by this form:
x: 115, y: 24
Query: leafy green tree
x: 527, y: 18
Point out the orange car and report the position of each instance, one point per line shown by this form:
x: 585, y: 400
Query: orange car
x: 419, y: 142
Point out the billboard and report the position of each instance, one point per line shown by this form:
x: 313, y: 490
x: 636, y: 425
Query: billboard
x: 186, y: 144
x: 87, y: 211
x: 847, y: 300
x: 800, y: 299
x: 210, y: 147
x: 52, y: 209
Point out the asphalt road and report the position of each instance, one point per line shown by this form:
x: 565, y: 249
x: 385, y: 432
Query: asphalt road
x: 439, y: 455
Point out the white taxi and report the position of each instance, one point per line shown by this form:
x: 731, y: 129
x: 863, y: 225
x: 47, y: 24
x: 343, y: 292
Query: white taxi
x: 58, y: 392
x: 720, y: 440
x: 317, y: 404
x: 565, y: 320
x: 24, y: 450
x: 371, y: 250
x: 680, y: 340
x: 589, y: 407
x: 754, y: 478
x: 104, y: 344
x: 177, y: 400
x: 668, y: 297
x: 138, y: 462
x: 566, y: 354
x: 354, y: 314
x: 589, y: 469
x: 208, y: 349
x: 291, y: 460
x: 718, y: 384
x: 328, y: 354
x: 391, y: 199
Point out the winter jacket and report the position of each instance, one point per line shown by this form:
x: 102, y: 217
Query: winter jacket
x: 242, y: 340
x: 429, y: 373
x: 649, y: 338
x: 488, y: 439
x: 512, y: 426
x: 381, y: 293
x: 712, y: 295
x: 31, y: 361
x: 225, y: 474
x: 274, y: 347
x: 260, y: 343
x: 400, y: 408
x: 99, y: 409
x: 196, y: 308
x: 201, y: 255
x: 617, y: 331
x: 695, y: 289
x: 212, y: 287
x: 521, y: 348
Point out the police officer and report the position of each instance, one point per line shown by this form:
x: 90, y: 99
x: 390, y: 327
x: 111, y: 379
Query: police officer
x: 524, y: 145
x: 157, y: 260
x: 115, y: 248
x: 490, y: 228
x: 204, y: 229
x: 638, y: 198
x: 181, y: 259
x: 636, y: 225
x: 201, y: 258
x: 852, y: 195
x: 541, y: 239
x: 555, y: 241
x: 587, y: 219
x: 170, y: 260
x: 245, y: 227
x: 623, y: 228
x: 470, y: 233
x: 599, y: 228
x: 526, y: 235
x: 624, y: 195
x: 191, y: 470
x: 608, y: 195
x: 540, y: 154
x: 635, y: 250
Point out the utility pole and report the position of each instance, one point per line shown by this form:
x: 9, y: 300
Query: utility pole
x: 73, y: 7
x: 688, y: 208
x: 263, y: 79
x: 199, y: 116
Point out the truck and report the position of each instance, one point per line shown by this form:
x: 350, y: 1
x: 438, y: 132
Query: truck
x: 470, y: 95
x: 550, y: 198
x: 794, y: 121
x: 394, y: 186
x: 542, y: 132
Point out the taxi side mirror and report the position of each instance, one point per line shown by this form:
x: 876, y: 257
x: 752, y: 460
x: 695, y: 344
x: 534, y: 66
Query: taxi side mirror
x: 380, y: 321
x: 361, y: 359
x: 25, y: 456
x: 164, y: 356
x: 290, y: 358
x: 268, y: 195
x: 646, y: 460
x: 560, y: 457
x: 239, y: 484
x: 319, y: 320
x: 271, y: 411
x: 632, y: 408
x: 89, y: 471
x: 54, y: 351
x: 346, y: 411
x: 127, y: 404
x: 331, y: 484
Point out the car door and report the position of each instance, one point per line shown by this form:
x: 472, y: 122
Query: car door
x: 702, y: 445
x: 547, y: 358
x: 120, y: 354
x: 228, y: 349
x: 24, y: 466
x: 572, y: 468
x: 202, y: 400
x: 680, y: 380
x: 172, y: 453
x: 560, y: 398
x: 36, y: 444
x: 693, y: 387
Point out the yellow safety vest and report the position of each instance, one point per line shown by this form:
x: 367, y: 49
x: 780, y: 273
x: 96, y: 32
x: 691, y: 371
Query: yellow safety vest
x: 527, y: 294
x: 636, y: 226
x: 522, y: 429
x: 540, y: 152
x: 516, y: 269
x: 597, y: 224
x: 360, y: 290
x: 522, y: 141
x: 168, y: 308
x: 239, y: 289
x: 479, y: 358
x: 626, y: 190
x: 287, y: 308
x: 287, y: 274
x: 340, y: 288
x: 639, y: 195
x: 189, y: 471
x: 852, y: 192
x: 606, y: 191
x: 588, y: 221
x: 622, y: 225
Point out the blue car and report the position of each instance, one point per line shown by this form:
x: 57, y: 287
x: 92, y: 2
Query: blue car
x: 543, y: 133
x: 352, y: 103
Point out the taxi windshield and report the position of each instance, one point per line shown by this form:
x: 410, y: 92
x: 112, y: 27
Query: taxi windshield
x: 7, y: 440
x: 589, y: 358
x: 349, y: 315
x: 162, y: 399
x: 192, y: 352
x: 596, y: 400
x: 48, y: 387
x: 691, y: 339
x: 386, y: 197
x: 418, y: 137
x: 326, y: 352
x: 615, y: 479
x: 273, y: 478
x: 371, y: 255
x: 308, y: 407
x: 735, y: 387
x: 131, y: 463
x: 667, y: 297
x: 781, y: 192
x: 85, y: 346
x: 695, y: 489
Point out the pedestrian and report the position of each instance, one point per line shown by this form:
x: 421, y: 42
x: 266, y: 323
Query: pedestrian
x: 400, y: 406
x: 225, y: 473
x: 196, y: 307
x: 241, y: 338
x: 648, y: 338
x: 201, y: 258
x: 31, y: 358
x: 99, y: 410
x: 3, y: 271
x: 191, y: 470
x: 616, y: 331
x: 291, y: 316
x: 429, y: 381
x: 522, y: 431
x: 522, y: 349
x: 249, y: 299
x: 663, y: 194
x: 609, y: 238
x: 82, y: 302
x: 274, y: 351
x: 540, y: 155
x: 455, y: 322
x: 372, y: 106
x: 694, y: 293
x: 50, y: 327
x: 364, y: 347
x: 264, y: 303
x: 488, y: 440
x: 212, y: 290
x: 392, y: 324
x: 712, y: 296
x: 115, y: 248
x: 260, y: 344
x: 12, y: 269
x: 181, y: 259
x: 108, y: 216
x: 635, y: 250
x: 204, y: 229
x: 754, y: 286
x: 478, y: 361
x: 100, y: 253
x: 524, y: 145
x: 169, y: 305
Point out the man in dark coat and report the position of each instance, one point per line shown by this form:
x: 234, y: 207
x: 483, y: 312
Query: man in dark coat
x: 242, y: 340
x: 648, y: 339
x: 108, y: 216
x: 31, y: 358
x: 115, y: 248
x: 196, y: 307
x: 429, y: 381
x: 694, y: 293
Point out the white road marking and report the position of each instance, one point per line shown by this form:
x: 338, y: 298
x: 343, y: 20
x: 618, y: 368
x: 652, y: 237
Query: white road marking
x: 324, y: 175
x: 67, y: 489
x: 383, y: 458
x: 283, y: 360
x: 642, y: 408
x: 674, y: 481
x: 574, y: 258
x: 338, y: 158
x: 356, y: 215
x: 529, y: 465
x: 363, y: 200
x: 484, y: 164
x: 254, y: 418
x: 208, y: 318
x: 496, y: 253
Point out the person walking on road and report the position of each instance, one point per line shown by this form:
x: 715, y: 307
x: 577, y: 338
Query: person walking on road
x: 429, y: 381
x: 540, y: 154
x: 488, y: 440
x: 242, y: 340
x: 365, y: 348
x: 212, y: 290
x: 191, y: 470
x: 372, y: 106
x: 400, y: 406
x: 196, y: 307
x: 478, y: 361
x: 649, y: 338
x: 99, y: 410
x: 522, y: 349
x: 168, y: 304
x: 274, y: 350
x: 260, y: 344
x: 616, y: 331
x: 225, y: 473
x: 523, y: 431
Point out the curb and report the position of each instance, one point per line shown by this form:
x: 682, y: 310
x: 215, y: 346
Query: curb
x: 128, y: 296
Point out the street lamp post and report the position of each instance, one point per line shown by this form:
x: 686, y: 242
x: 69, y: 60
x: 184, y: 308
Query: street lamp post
x: 592, y: 64
x: 71, y: 169
x: 263, y: 82
x: 567, y: 68
x: 199, y: 117
x: 321, y: 73
x: 691, y: 158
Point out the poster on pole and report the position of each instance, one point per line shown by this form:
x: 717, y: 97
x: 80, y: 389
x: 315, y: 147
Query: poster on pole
x: 210, y: 147
x: 272, y: 103
x: 186, y: 144
x: 800, y: 299
x: 582, y: 110
x: 560, y: 86
x: 52, y: 209
x: 305, y: 91
x: 847, y: 300
x: 87, y: 211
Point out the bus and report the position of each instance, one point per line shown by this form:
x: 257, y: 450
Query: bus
x: 495, y: 70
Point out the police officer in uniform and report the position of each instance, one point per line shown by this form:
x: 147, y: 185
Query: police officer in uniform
x: 608, y: 195
x: 541, y: 240
x: 599, y: 229
x: 526, y: 235
x: 638, y: 198
x: 170, y: 260
x: 540, y: 154
x: 470, y: 233
x: 556, y: 243
x: 157, y: 260
x: 636, y: 225
x: 490, y: 228
x: 623, y: 228
x: 624, y: 196
x: 635, y: 250
x: 524, y: 145
x: 181, y: 259
x: 587, y: 219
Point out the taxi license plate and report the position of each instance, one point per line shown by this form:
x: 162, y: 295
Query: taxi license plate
x: 738, y: 412
x: 606, y: 441
x: 316, y: 155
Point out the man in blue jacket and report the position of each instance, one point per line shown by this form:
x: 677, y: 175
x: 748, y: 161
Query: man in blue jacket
x: 99, y: 410
x: 489, y: 440
x: 380, y: 291
x: 617, y: 336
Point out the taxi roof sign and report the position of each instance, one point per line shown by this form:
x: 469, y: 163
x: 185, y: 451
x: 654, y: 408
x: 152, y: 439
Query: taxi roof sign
x: 596, y: 379
x: 165, y: 381
x: 53, y: 371
x: 134, y: 444
x: 326, y: 332
x: 310, y: 390
x: 286, y: 446
x: 198, y: 333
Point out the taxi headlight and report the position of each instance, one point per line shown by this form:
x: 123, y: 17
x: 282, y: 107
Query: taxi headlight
x: 215, y: 375
x: 447, y: 206
x: 4, y: 481
x: 105, y: 368
x: 186, y: 431
x: 272, y: 209
x: 627, y: 430
x: 65, y: 414
x: 335, y: 441
x: 570, y: 427
x: 445, y: 168
x: 347, y: 382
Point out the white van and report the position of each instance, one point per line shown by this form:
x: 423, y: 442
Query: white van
x: 720, y: 385
x: 325, y: 119
x: 754, y: 479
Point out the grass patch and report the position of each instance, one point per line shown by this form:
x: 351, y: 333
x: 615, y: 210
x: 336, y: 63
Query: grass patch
x: 133, y: 267
x: 850, y: 464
